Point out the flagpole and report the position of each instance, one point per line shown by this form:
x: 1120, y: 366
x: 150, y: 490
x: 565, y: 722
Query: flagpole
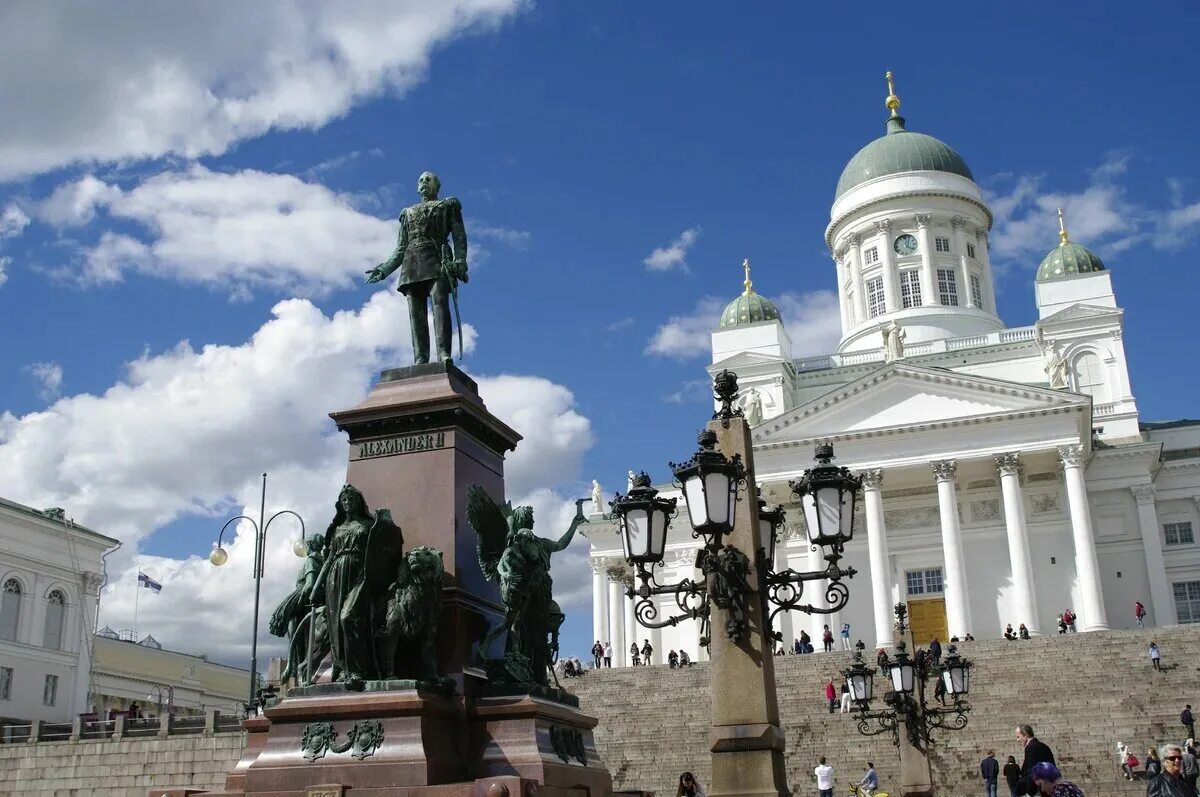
x: 259, y: 538
x: 136, y: 597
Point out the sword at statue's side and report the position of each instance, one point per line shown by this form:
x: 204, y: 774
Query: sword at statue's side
x: 452, y: 280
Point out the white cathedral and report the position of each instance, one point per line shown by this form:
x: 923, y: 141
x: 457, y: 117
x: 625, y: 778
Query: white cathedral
x: 1006, y: 474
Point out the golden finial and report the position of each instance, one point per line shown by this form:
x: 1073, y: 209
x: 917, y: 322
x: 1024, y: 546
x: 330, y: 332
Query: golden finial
x: 747, y: 284
x: 1062, y: 230
x: 892, y: 102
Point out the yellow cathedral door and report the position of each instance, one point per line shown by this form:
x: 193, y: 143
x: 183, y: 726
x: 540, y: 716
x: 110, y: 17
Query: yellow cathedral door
x: 926, y: 606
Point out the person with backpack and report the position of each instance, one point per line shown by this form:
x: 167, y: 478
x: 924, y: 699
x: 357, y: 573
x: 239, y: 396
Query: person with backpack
x: 827, y: 639
x: 1187, y: 721
x: 1131, y: 763
x: 1139, y: 613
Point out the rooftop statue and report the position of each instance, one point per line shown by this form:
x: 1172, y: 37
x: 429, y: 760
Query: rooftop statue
x: 429, y: 268
x: 511, y: 554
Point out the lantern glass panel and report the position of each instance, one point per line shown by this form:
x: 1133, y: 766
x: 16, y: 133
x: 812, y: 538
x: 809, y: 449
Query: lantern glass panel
x: 829, y: 510
x: 902, y: 677
x: 847, y: 519
x: 720, y: 505
x: 861, y: 685
x: 693, y: 492
x: 766, y: 534
x: 637, y: 532
x: 956, y: 679
x: 658, y: 537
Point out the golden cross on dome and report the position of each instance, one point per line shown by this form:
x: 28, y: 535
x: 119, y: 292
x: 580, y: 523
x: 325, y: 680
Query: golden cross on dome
x: 892, y: 101
x: 747, y: 284
x: 1062, y: 229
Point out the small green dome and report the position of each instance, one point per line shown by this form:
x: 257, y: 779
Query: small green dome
x: 749, y: 308
x: 1067, y: 260
x: 899, y: 151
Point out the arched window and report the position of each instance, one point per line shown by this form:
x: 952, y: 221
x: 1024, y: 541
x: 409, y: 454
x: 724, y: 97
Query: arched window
x: 56, y: 610
x: 10, y: 609
x: 1090, y: 377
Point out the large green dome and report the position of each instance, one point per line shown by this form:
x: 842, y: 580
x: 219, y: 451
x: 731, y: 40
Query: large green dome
x: 899, y: 151
x: 1068, y: 260
x: 749, y: 308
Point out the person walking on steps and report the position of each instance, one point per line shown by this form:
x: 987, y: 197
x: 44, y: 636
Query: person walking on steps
x: 597, y: 654
x: 608, y: 654
x: 633, y: 655
x: 647, y: 652
x: 1186, y: 719
x: 1036, y: 752
x: 1155, y: 656
x: 1012, y: 775
x: 689, y: 786
x: 1139, y: 614
x: 824, y: 774
x: 845, y: 636
x: 935, y: 651
x: 827, y: 639
x: 989, y: 770
x: 831, y: 695
x: 1190, y: 770
x: 845, y: 698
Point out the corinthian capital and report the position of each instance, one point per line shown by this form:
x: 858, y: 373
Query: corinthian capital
x: 958, y: 221
x: 1143, y: 493
x: 944, y: 470
x: 853, y: 239
x: 597, y: 564
x: 872, y: 478
x: 923, y: 219
x: 1009, y: 464
x: 883, y: 225
x: 615, y: 571
x: 1071, y: 456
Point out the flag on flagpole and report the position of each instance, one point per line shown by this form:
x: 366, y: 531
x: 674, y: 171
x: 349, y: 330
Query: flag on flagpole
x: 147, y: 582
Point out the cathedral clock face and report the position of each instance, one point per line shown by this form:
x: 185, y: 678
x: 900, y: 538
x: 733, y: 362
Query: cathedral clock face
x: 905, y: 244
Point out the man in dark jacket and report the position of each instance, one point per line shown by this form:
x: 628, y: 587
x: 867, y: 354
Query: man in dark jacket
x: 989, y: 770
x: 1185, y: 718
x: 935, y: 651
x: 1170, y: 782
x: 1036, y: 752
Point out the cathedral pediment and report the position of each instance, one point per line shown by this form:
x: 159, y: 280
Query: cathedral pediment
x: 746, y: 359
x: 1082, y: 312
x: 899, y: 397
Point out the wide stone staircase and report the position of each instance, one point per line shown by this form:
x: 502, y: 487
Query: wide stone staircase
x: 1081, y: 692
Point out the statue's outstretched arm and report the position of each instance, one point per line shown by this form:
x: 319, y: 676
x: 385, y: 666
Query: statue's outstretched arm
x: 385, y: 269
x: 565, y: 539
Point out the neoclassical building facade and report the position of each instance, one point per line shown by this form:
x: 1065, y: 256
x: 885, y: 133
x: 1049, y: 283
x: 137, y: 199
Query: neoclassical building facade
x: 1007, y: 474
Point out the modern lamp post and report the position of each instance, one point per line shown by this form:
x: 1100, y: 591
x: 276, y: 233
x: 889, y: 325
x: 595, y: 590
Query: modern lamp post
x: 739, y: 583
x: 220, y: 556
x: 908, y: 677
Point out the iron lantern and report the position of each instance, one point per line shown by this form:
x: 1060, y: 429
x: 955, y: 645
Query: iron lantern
x: 709, y: 481
x: 956, y: 673
x: 901, y: 670
x: 861, y: 680
x: 769, y: 523
x: 644, y: 519
x: 829, y: 496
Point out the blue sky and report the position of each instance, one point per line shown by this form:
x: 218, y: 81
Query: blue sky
x: 188, y: 201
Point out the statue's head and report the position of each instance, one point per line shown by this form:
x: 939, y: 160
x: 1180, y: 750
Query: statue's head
x: 522, y: 517
x: 316, y: 544
x: 351, y: 501
x: 428, y: 185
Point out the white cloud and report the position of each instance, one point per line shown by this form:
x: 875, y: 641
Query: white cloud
x: 4, y: 261
x: 517, y: 239
x: 238, y: 231
x: 1101, y: 216
x: 674, y: 255
x: 13, y: 221
x: 144, y: 79
x: 812, y: 321
x: 184, y: 434
x: 687, y: 336
x: 50, y: 376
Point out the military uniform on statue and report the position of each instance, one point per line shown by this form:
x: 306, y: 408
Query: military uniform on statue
x: 423, y: 620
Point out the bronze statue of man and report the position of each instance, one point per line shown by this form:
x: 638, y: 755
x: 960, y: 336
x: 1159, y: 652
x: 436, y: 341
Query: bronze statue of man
x: 429, y: 269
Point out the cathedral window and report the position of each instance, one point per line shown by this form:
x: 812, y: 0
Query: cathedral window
x: 875, y: 303
x: 1089, y: 377
x: 56, y: 608
x: 941, y: 244
x: 924, y: 582
x: 976, y: 291
x: 871, y: 255
x: 1178, y: 533
x: 910, y: 288
x: 1187, y: 601
x: 971, y: 251
x: 10, y: 609
x: 50, y: 691
x: 947, y: 287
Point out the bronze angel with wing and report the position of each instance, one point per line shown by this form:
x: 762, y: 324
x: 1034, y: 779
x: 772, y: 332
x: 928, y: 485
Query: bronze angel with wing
x: 511, y: 554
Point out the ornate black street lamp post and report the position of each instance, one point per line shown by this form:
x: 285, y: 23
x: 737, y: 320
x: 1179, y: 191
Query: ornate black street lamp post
x: 710, y: 483
x: 906, y: 699
x: 220, y: 556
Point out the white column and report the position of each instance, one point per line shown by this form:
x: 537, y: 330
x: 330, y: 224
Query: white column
x: 84, y: 626
x: 616, y: 617
x: 958, y: 223
x: 856, y: 279
x: 817, y: 622
x: 1156, y: 566
x: 985, y: 260
x: 877, y: 550
x: 958, y: 608
x: 631, y: 629
x: 599, y: 598
x: 1087, y: 565
x: 843, y: 305
x: 891, y: 281
x: 929, y: 291
x: 1024, y: 604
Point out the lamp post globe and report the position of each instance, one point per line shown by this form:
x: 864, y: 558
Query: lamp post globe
x: 300, y: 548
x: 829, y: 496
x: 644, y: 519
x: 709, y: 483
x: 218, y: 555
